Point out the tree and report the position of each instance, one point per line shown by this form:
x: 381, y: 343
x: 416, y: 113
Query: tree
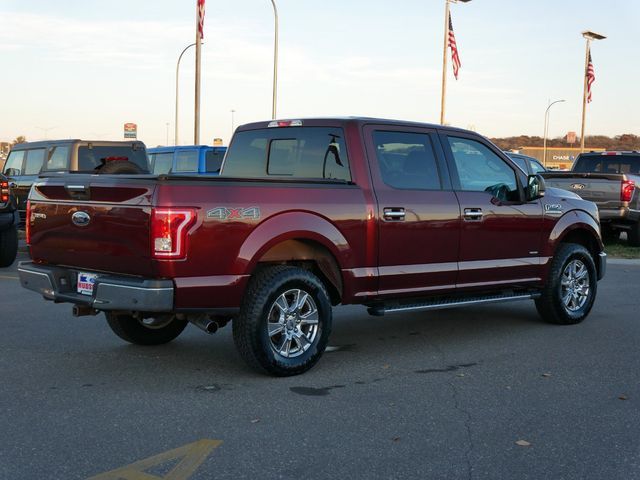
x: 19, y: 139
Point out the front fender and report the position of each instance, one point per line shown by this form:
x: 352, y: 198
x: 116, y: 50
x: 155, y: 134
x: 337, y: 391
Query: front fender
x: 569, y: 222
x: 289, y: 226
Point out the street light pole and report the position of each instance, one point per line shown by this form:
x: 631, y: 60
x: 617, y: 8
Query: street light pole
x: 588, y: 36
x: 175, y: 138
x: 232, y: 121
x: 275, y: 62
x: 45, y: 130
x: 546, y: 132
x: 444, y: 55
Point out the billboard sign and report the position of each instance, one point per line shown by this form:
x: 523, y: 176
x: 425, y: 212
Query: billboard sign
x: 130, y: 130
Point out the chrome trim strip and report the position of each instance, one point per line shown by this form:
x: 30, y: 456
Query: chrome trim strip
x: 461, y: 303
x: 115, y: 285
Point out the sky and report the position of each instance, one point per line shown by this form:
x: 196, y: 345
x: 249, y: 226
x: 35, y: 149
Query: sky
x: 82, y: 68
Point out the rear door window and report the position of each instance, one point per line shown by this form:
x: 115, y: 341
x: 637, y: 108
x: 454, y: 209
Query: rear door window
x: 13, y: 165
x: 35, y: 161
x: 309, y: 152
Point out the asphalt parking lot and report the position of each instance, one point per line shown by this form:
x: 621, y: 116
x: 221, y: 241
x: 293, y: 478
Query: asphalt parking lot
x: 488, y: 392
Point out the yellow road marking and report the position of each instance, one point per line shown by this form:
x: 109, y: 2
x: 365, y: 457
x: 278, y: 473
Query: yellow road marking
x: 7, y: 277
x: 192, y: 456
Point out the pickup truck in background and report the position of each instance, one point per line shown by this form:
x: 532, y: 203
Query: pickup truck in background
x: 306, y: 214
x: 612, y: 181
x: 186, y: 159
x: 28, y: 160
x: 9, y: 220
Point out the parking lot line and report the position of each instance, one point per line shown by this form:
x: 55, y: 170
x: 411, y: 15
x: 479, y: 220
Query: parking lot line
x: 191, y: 457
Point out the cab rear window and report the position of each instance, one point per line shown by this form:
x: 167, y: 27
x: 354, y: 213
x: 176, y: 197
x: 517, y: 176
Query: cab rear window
x: 91, y: 158
x: 608, y: 164
x: 310, y: 152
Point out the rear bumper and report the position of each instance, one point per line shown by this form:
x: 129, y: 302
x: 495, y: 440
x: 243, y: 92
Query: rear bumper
x: 620, y: 214
x: 109, y: 292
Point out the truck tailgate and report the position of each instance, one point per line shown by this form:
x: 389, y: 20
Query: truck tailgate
x: 600, y: 188
x: 92, y: 222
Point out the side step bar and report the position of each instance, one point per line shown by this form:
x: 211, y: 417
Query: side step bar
x: 380, y: 310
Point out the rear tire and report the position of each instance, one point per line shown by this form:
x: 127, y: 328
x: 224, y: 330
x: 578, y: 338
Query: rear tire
x: 571, y: 288
x: 633, y: 235
x: 8, y: 246
x: 284, y: 322
x: 156, y: 331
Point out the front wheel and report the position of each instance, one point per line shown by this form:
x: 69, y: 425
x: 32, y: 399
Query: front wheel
x: 571, y: 288
x: 284, y: 322
x: 148, y: 331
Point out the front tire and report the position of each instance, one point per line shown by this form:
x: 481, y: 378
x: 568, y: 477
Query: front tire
x: 150, y: 331
x: 8, y: 246
x: 571, y: 288
x: 284, y: 322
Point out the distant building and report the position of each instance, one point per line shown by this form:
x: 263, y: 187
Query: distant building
x: 561, y: 158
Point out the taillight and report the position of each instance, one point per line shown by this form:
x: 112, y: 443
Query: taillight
x: 4, y: 192
x: 169, y: 231
x: 28, y: 223
x: 285, y: 123
x: 626, y: 190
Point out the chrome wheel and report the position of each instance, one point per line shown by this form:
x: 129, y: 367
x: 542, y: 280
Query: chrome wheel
x: 575, y: 285
x: 293, y: 323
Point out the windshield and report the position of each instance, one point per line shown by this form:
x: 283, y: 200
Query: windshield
x: 91, y: 158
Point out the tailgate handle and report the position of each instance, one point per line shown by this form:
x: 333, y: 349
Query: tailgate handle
x: 78, y: 192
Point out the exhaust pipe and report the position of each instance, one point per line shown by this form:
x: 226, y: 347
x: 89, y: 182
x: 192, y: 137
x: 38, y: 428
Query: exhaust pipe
x: 204, y: 323
x: 83, y: 311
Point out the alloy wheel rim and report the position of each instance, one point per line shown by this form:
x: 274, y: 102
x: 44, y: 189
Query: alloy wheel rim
x: 293, y: 323
x: 575, y: 285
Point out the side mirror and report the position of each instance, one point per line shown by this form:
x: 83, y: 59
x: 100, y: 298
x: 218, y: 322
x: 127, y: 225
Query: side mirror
x: 535, y: 187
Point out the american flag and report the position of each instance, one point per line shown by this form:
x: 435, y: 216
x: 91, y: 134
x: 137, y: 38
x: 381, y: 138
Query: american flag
x: 455, y: 58
x: 591, y: 77
x: 201, y: 18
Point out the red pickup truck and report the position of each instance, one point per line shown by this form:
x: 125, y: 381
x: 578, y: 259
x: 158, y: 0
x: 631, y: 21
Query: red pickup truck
x: 307, y: 214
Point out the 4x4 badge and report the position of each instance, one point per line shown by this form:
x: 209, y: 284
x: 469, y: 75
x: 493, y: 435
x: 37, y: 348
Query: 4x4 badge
x: 234, y: 213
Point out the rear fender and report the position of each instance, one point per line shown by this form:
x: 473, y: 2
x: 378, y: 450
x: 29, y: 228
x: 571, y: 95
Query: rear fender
x: 291, y: 226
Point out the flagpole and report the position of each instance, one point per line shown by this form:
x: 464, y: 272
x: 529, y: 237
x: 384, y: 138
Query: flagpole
x: 274, y: 98
x: 584, y: 94
x: 444, y: 61
x: 196, y: 120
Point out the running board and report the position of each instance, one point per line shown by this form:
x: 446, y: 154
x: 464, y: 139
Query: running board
x: 379, y: 310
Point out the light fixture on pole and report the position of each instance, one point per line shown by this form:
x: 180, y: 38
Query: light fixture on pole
x: 175, y: 137
x: 444, y: 55
x: 589, y: 36
x: 275, y: 62
x: 546, y: 132
x: 232, y: 121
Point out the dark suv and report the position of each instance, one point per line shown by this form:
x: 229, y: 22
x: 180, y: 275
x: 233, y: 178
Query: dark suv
x: 8, y: 225
x: 27, y: 160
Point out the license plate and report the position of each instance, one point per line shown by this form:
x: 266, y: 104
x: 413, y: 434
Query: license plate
x: 86, y: 282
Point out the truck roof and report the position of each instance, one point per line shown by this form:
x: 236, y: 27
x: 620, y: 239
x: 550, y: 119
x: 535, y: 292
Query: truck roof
x: 324, y: 121
x: 177, y: 148
x: 47, y: 143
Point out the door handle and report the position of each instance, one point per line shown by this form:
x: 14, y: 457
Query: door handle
x: 393, y: 214
x: 473, y: 214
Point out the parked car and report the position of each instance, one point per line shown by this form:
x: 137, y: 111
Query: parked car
x: 397, y: 216
x: 188, y: 159
x: 612, y: 181
x: 28, y: 160
x: 9, y: 220
x: 529, y: 165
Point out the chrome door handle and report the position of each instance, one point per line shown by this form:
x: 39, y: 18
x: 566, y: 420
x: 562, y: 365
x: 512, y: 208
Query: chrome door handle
x: 393, y: 213
x: 473, y: 214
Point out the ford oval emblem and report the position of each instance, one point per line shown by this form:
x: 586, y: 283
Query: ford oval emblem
x: 578, y: 186
x: 81, y: 219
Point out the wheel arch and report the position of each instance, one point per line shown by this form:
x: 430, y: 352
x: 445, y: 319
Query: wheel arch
x: 298, y: 238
